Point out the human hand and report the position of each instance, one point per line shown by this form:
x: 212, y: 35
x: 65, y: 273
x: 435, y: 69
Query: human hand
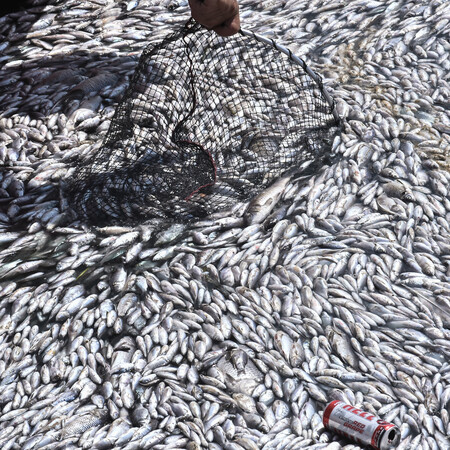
x: 222, y: 16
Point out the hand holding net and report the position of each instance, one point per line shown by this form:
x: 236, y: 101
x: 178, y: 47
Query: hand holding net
x: 205, y: 123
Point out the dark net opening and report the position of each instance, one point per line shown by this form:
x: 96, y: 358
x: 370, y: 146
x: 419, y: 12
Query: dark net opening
x: 205, y: 123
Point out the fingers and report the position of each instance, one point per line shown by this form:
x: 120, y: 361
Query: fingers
x: 229, y: 27
x: 222, y: 16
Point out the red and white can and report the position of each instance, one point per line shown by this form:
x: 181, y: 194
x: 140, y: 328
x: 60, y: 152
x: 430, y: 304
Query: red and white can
x: 360, y: 426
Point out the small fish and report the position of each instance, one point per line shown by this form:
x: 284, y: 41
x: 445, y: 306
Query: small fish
x: 262, y: 205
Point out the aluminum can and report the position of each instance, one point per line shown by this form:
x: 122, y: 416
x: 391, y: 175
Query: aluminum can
x: 360, y: 426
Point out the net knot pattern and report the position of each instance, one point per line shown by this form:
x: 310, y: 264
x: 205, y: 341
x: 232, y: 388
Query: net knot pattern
x: 205, y: 123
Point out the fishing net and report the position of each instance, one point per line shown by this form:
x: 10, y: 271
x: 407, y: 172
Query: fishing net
x: 206, y: 122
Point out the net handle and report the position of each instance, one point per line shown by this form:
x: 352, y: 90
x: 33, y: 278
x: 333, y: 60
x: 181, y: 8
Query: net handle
x: 316, y: 78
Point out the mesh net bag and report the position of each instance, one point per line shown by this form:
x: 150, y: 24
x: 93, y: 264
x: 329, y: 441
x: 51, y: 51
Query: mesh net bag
x: 205, y: 123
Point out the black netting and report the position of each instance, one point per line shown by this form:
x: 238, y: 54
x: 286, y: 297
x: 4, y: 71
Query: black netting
x: 206, y: 122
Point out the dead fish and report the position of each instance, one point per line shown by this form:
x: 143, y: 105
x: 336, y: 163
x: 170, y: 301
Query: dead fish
x: 262, y: 205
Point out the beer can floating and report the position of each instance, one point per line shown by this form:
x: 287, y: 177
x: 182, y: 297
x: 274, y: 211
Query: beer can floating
x: 360, y: 426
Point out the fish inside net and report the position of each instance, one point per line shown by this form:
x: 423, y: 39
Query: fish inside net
x: 206, y: 122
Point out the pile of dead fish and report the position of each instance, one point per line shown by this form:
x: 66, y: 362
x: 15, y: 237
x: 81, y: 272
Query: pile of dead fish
x: 234, y: 332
